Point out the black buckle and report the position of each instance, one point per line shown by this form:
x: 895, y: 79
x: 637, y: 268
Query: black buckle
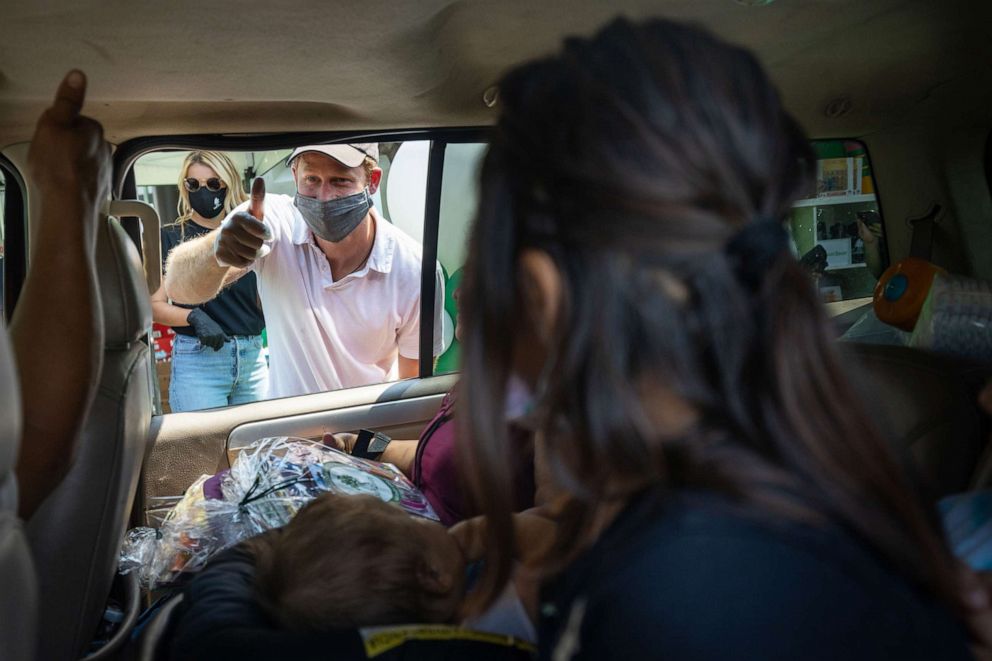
x: 370, y: 444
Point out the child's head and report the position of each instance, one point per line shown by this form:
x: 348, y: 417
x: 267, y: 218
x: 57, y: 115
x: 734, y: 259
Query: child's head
x: 349, y: 561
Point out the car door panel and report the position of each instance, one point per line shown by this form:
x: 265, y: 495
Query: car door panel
x: 188, y: 445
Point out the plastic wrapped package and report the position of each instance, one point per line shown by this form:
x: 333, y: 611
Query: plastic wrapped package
x: 956, y: 319
x: 869, y: 329
x: 268, y: 483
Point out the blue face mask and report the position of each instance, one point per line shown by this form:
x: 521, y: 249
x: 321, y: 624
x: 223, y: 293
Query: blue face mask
x: 335, y: 219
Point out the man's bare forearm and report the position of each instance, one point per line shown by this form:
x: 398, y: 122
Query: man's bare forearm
x: 60, y: 285
x: 873, y: 259
x: 192, y: 275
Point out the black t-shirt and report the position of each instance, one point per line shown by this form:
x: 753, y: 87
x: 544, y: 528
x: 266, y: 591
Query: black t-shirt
x: 235, y: 309
x: 694, y: 577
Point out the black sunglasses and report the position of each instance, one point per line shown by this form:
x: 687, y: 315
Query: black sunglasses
x: 213, y: 184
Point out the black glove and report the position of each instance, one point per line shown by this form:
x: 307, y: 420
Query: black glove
x: 207, y: 331
x: 815, y: 261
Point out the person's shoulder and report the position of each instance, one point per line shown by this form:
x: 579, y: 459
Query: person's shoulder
x: 406, y: 247
x: 277, y: 204
x: 280, y: 213
x: 685, y: 534
x: 405, y: 256
x: 172, y: 235
x: 172, y: 230
x: 771, y: 587
x: 280, y: 200
x: 705, y: 537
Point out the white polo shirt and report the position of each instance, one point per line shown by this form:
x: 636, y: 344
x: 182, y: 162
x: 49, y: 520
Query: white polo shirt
x: 324, y: 335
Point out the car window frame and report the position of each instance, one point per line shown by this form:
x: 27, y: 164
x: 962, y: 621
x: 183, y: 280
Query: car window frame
x: 877, y: 190
x: 128, y: 153
x: 15, y: 221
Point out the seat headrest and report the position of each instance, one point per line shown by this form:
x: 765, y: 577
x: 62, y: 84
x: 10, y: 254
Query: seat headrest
x: 928, y: 403
x: 10, y: 424
x: 127, y: 309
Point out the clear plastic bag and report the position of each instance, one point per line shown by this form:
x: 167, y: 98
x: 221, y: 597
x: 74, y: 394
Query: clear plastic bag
x: 268, y: 483
x: 869, y: 329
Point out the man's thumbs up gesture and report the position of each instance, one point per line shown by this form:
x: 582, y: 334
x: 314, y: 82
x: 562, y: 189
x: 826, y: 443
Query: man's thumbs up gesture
x: 242, y: 235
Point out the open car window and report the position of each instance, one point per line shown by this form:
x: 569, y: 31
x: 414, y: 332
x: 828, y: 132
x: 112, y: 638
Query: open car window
x: 304, y: 310
x: 459, y: 199
x: 837, y: 232
x: 3, y: 201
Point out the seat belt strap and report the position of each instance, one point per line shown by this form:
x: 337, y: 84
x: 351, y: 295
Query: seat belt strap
x: 921, y: 239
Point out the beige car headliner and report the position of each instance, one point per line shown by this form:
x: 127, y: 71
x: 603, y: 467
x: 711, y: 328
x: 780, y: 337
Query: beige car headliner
x: 177, y: 67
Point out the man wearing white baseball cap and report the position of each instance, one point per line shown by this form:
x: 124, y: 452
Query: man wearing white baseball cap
x: 339, y: 284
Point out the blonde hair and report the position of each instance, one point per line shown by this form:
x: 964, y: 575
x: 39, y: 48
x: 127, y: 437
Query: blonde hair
x: 226, y: 171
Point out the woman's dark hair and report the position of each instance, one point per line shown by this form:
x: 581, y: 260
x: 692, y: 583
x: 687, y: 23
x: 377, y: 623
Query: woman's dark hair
x: 635, y: 159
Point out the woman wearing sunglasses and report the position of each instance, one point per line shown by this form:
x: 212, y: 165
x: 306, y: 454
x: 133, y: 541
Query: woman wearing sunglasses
x: 217, y: 355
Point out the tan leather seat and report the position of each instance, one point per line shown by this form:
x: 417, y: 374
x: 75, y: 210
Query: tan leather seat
x: 929, y: 404
x: 76, y: 534
x: 18, y: 594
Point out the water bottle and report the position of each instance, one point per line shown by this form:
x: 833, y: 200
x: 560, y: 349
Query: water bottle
x: 956, y: 319
x: 949, y: 314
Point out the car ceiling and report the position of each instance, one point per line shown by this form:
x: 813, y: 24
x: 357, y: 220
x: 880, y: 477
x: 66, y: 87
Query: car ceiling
x: 180, y: 67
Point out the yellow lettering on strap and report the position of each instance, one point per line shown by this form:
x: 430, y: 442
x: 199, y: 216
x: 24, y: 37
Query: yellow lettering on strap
x: 379, y: 640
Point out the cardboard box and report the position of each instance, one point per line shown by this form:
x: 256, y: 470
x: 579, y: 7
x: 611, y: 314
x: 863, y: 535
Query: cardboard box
x: 162, y: 337
x: 164, y: 370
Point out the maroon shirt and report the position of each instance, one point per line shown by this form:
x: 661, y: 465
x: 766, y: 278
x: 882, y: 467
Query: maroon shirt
x: 435, y: 471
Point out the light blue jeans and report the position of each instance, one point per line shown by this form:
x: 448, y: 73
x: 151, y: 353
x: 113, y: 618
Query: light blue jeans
x: 204, y: 379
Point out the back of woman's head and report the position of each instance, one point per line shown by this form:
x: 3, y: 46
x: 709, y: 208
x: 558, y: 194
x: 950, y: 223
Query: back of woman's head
x: 655, y: 165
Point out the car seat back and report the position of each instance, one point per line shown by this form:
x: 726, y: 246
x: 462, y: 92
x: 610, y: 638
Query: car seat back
x: 18, y: 603
x: 77, y: 532
x: 927, y: 403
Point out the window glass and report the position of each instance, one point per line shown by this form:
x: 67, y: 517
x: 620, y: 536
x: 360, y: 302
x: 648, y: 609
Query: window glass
x: 3, y: 225
x: 838, y: 233
x: 459, y: 198
x: 311, y: 314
